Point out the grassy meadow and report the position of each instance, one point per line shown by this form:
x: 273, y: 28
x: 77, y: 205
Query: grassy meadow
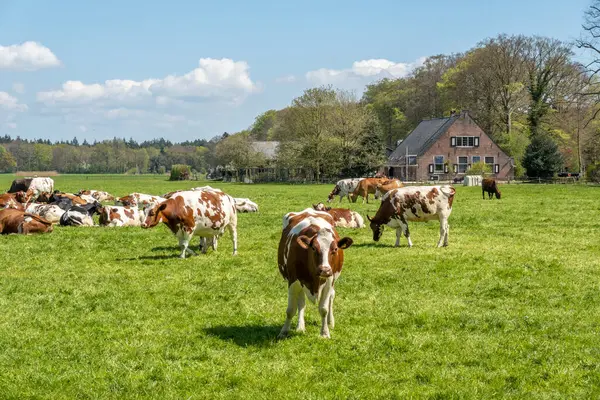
x: 511, y: 309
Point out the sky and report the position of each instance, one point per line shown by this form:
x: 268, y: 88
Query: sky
x: 186, y: 70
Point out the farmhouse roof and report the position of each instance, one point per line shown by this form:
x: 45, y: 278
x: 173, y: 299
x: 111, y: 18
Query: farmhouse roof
x: 268, y: 149
x: 422, y: 137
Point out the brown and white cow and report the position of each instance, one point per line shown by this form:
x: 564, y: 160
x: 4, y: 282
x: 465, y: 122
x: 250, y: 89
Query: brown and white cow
x: 386, y: 186
x: 49, y: 212
x: 17, y: 221
x: 113, y: 216
x: 343, y: 188
x: 414, y: 203
x: 310, y: 258
x: 204, y: 213
x: 245, y: 205
x: 365, y: 187
x: 342, y: 217
x: 96, y: 195
x: 13, y: 200
x: 47, y: 197
x: 139, y: 199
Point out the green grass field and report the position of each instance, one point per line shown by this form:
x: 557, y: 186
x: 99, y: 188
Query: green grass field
x: 511, y: 309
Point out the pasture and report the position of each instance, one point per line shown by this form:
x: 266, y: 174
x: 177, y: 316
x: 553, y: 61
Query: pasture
x: 511, y: 309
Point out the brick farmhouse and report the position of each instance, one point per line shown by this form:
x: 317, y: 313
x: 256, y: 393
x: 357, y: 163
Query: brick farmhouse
x: 445, y: 148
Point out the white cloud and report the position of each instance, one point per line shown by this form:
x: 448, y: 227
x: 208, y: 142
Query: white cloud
x: 28, y: 56
x: 18, y: 88
x: 214, y: 79
x: 8, y: 102
x: 286, y: 79
x: 363, y: 71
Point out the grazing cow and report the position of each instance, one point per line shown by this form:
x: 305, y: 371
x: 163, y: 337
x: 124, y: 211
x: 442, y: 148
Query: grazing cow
x: 97, y: 195
x: 80, y: 215
x: 245, y: 205
x: 365, y: 187
x: 120, y: 216
x: 414, y: 203
x: 20, y: 185
x: 204, y: 213
x: 343, y: 188
x: 489, y: 185
x: 383, y: 188
x: 310, y: 259
x: 17, y: 221
x: 49, y: 212
x: 139, y: 199
x: 342, y: 217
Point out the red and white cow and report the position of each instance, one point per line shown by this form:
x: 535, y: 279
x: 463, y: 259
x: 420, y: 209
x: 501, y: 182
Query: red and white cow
x: 49, y: 212
x: 18, y: 221
x: 13, y: 200
x: 414, y: 203
x: 310, y: 258
x: 344, y: 188
x: 342, y: 217
x: 383, y: 188
x: 139, y: 199
x: 96, y: 195
x: 245, y: 205
x: 204, y: 213
x: 365, y: 187
x: 113, y: 216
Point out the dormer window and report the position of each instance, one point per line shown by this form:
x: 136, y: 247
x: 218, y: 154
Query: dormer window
x: 464, y: 141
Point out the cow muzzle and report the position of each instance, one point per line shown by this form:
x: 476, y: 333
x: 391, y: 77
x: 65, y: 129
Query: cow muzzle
x: 325, y: 271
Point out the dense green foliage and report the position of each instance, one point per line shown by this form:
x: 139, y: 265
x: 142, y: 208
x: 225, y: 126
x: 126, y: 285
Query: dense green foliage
x: 509, y: 309
x: 180, y: 172
x: 542, y: 157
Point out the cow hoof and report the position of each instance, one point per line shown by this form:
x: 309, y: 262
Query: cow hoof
x: 235, y: 253
x: 301, y: 329
x: 282, y: 335
x: 325, y: 336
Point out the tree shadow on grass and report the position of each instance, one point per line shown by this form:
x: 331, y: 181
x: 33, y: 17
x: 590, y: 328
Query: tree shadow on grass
x: 246, y: 335
x: 157, y: 257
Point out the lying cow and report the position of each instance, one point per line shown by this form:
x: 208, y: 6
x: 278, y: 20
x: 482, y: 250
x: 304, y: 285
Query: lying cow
x: 343, y: 188
x: 310, y: 259
x: 245, y: 205
x: 489, y: 185
x: 139, y: 199
x: 342, y: 217
x: 384, y: 187
x: 97, y: 195
x: 39, y: 185
x: 17, y: 221
x: 204, y: 213
x: 58, y: 196
x: 113, y: 216
x: 13, y: 200
x: 414, y: 203
x: 49, y: 212
x: 80, y: 215
x: 365, y: 187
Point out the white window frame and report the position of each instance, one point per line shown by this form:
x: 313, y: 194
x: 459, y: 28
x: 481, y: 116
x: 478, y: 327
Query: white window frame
x: 459, y: 139
x: 492, y: 163
x: 442, y: 164
x: 473, y: 159
x: 459, y: 164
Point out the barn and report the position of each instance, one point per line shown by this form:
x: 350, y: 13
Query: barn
x: 444, y: 149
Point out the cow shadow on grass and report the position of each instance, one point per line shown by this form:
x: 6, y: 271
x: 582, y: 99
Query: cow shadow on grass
x: 246, y: 335
x: 155, y: 257
x: 371, y: 244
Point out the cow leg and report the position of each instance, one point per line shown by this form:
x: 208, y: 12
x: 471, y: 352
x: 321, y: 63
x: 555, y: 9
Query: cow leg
x: 291, y: 308
x: 214, y: 243
x: 330, y: 318
x: 444, y: 228
x: 483, y: 194
x: 324, y: 308
x: 233, y: 230
x: 398, y: 234
x: 407, y: 235
x: 184, y: 242
x: 203, y: 245
x: 301, y: 306
x: 446, y: 232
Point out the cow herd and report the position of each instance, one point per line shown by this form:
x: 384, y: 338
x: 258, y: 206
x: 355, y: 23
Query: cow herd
x: 310, y: 253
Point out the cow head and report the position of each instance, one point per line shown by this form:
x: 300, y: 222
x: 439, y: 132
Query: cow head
x: 126, y: 201
x: 353, y: 197
x: 44, y: 197
x: 321, y: 207
x: 378, y: 192
x: 377, y: 229
x: 498, y: 194
x: 322, y: 248
x: 154, y: 214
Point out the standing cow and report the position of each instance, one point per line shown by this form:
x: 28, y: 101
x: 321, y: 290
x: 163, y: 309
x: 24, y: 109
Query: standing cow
x: 310, y: 258
x: 365, y: 187
x: 384, y: 187
x: 489, y: 185
x: 414, y: 203
x: 343, y: 188
x: 204, y: 213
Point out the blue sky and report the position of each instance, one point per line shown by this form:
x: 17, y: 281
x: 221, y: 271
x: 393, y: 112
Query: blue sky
x: 194, y: 69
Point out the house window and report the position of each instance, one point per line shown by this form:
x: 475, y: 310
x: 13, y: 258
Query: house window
x: 463, y: 164
x: 489, y: 161
x: 412, y: 160
x: 475, y: 159
x: 438, y: 164
x: 466, y: 141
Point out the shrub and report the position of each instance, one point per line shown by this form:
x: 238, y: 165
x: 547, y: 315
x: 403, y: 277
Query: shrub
x: 180, y: 172
x: 132, y: 171
x: 162, y: 170
x: 593, y: 172
x: 542, y: 157
x: 479, y: 168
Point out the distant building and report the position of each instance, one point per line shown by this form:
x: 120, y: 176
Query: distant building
x: 445, y: 148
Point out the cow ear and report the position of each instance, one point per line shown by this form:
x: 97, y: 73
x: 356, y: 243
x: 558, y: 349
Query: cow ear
x: 315, y: 206
x: 304, y: 241
x: 345, y: 242
x: 162, y: 206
